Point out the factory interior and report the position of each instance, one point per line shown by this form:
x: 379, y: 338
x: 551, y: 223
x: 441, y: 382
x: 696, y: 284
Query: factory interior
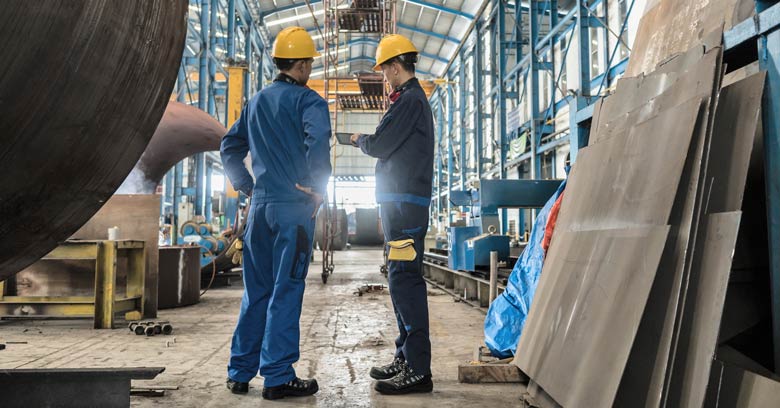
x: 602, y: 185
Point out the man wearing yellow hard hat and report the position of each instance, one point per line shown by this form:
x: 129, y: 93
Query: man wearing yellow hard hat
x: 403, y: 142
x: 286, y: 129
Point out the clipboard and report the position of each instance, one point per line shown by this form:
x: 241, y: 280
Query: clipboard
x: 344, y: 138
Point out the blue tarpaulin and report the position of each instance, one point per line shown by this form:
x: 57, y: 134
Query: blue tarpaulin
x: 508, y: 312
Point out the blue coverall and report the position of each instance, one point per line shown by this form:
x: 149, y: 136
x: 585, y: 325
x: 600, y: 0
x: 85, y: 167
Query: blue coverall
x: 403, y: 142
x: 286, y: 128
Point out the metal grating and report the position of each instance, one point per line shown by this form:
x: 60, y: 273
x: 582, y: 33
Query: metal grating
x: 360, y: 21
x: 371, y: 84
x: 371, y: 97
x: 350, y: 102
x: 366, y: 4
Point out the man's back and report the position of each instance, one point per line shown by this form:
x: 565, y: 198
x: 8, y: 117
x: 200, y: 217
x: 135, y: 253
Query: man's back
x: 287, y: 128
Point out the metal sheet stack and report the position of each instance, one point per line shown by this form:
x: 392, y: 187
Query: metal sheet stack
x: 629, y: 305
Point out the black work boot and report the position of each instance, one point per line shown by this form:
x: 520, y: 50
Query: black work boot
x: 388, y: 371
x: 237, y: 387
x: 405, y: 382
x: 295, y: 388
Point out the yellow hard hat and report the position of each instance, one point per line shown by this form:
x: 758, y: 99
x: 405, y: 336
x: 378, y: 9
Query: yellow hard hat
x: 392, y: 46
x: 294, y: 43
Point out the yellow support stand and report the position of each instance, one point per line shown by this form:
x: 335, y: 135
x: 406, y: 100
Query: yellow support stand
x: 106, y: 303
x: 235, y: 105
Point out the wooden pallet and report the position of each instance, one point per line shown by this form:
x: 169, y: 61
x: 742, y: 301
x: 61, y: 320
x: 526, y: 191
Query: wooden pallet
x: 485, y: 368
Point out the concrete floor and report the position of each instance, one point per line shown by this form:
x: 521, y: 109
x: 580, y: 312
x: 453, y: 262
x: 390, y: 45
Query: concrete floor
x: 342, y: 336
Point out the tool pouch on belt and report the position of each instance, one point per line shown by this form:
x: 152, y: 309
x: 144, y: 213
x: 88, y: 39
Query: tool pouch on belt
x: 302, y: 255
x: 402, y: 250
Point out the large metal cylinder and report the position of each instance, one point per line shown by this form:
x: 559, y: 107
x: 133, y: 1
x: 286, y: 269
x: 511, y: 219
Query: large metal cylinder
x: 368, y: 228
x: 183, y: 131
x: 83, y: 85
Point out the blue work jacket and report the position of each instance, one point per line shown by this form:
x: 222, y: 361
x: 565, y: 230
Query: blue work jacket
x: 403, y: 142
x: 286, y: 128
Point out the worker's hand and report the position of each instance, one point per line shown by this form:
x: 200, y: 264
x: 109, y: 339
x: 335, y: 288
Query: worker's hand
x: 315, y: 196
x: 354, y: 139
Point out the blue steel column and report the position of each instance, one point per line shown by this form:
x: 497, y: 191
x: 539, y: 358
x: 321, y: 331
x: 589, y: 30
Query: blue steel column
x: 462, y: 120
x: 200, y: 175
x: 769, y: 58
x: 204, y: 169
x: 536, y: 11
x: 203, y: 98
x: 450, y: 155
x: 169, y: 193
x: 178, y: 168
x: 204, y: 56
x: 209, y: 172
x: 578, y: 134
x: 231, y: 27
x: 518, y: 38
x: 518, y: 33
x: 501, y: 73
x: 249, y: 61
x: 439, y: 162
x: 178, y: 180
x: 212, y: 56
x: 260, y: 67
x: 477, y: 67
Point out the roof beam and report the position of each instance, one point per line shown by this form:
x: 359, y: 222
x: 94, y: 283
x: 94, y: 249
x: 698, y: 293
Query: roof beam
x: 427, y: 32
x: 287, y: 7
x: 439, y: 7
x: 371, y: 61
x: 374, y: 41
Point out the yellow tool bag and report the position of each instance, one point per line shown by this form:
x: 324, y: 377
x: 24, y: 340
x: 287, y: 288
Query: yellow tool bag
x: 402, y: 250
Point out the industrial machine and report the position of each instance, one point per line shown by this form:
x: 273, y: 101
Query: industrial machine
x: 470, y: 246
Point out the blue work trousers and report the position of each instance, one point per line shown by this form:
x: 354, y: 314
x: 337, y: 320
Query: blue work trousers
x: 277, y: 250
x: 408, y: 291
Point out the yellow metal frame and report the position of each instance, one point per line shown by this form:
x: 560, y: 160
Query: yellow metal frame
x: 235, y: 105
x: 105, y: 304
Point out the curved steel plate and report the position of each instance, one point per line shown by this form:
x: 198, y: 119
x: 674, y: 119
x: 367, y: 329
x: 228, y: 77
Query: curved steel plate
x: 183, y: 131
x: 79, y: 102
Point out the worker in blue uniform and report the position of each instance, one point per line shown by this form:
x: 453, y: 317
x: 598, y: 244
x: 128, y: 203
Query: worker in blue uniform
x: 286, y: 129
x: 403, y: 142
